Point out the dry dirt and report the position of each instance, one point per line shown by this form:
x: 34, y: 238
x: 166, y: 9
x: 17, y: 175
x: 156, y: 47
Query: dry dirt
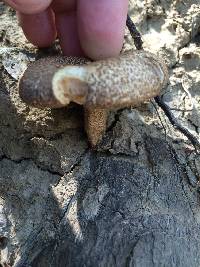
x: 134, y: 201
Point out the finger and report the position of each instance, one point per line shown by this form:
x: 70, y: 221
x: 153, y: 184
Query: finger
x: 101, y: 26
x: 66, y: 25
x: 40, y: 28
x: 30, y: 6
x: 63, y: 6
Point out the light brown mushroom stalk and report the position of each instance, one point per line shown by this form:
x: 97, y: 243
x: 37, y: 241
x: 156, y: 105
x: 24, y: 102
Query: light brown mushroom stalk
x: 95, y: 124
x: 127, y: 80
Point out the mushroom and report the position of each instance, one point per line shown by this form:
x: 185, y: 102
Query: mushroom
x: 127, y: 80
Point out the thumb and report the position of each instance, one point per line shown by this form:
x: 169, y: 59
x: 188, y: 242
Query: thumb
x: 29, y: 7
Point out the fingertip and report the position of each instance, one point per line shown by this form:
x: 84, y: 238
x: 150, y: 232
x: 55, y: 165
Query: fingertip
x: 29, y: 7
x: 40, y: 28
x: 101, y: 26
x: 66, y: 24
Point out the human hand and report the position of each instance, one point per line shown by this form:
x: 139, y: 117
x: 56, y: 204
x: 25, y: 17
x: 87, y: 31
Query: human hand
x: 94, y: 28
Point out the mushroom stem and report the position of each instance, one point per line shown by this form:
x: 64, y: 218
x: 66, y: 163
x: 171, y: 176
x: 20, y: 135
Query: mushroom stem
x: 95, y: 124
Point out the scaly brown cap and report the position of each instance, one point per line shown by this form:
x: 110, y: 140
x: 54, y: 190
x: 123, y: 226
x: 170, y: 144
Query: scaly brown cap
x: 35, y: 86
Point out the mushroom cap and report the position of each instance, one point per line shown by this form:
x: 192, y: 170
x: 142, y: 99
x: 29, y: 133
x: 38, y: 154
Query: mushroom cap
x: 35, y: 86
x: 127, y: 80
